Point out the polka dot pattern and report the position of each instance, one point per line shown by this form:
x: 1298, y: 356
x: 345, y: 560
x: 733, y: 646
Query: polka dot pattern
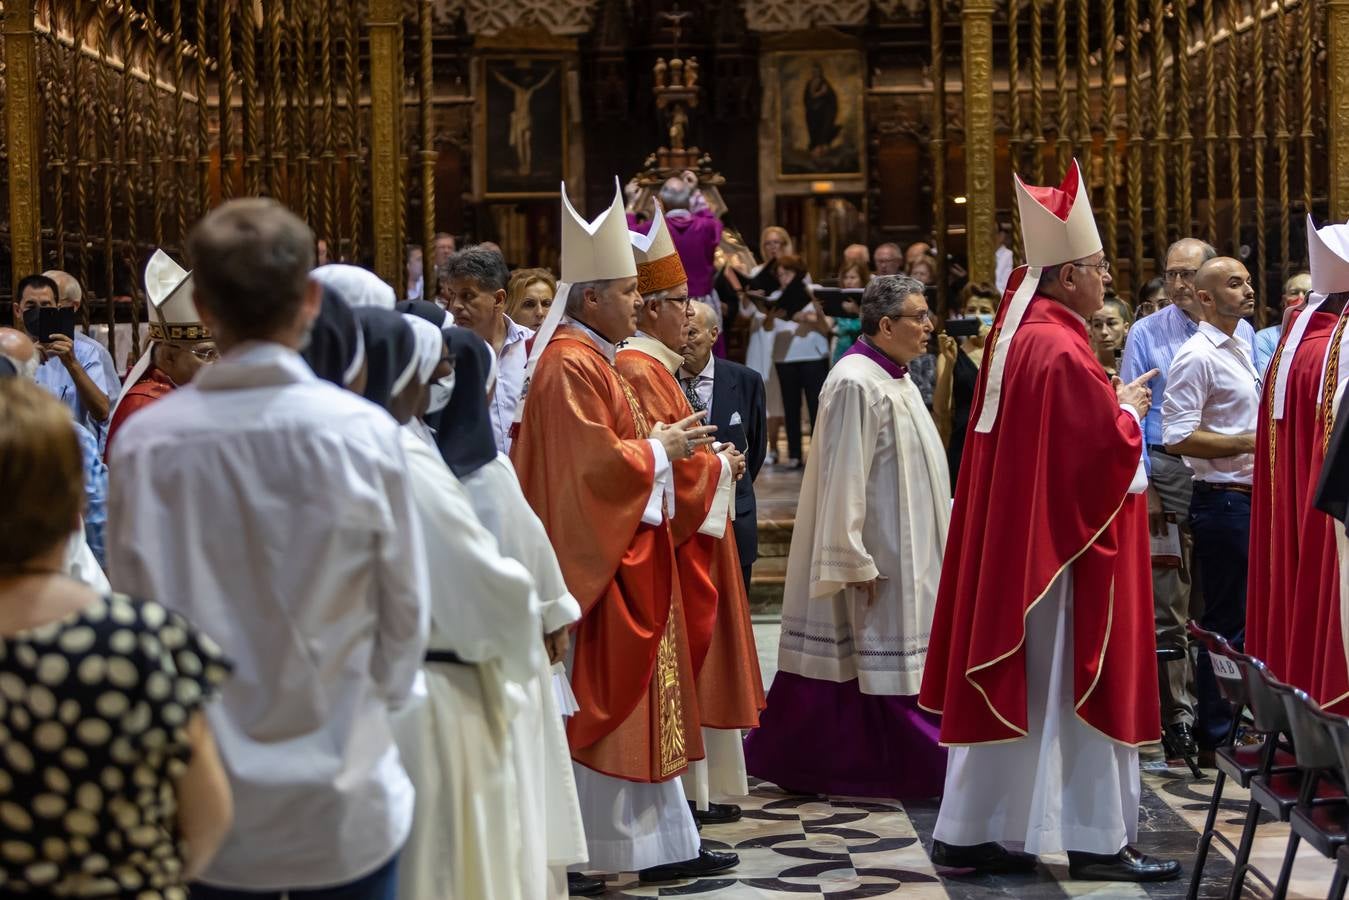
x: 93, y: 716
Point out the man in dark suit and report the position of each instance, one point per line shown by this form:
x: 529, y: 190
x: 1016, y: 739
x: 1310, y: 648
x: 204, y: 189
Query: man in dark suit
x: 734, y: 396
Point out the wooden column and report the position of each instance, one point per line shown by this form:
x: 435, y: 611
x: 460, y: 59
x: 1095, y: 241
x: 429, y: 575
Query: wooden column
x: 21, y: 119
x: 386, y: 100
x: 1338, y: 82
x: 981, y: 206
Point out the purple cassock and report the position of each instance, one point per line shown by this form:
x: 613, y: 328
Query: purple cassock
x: 827, y: 737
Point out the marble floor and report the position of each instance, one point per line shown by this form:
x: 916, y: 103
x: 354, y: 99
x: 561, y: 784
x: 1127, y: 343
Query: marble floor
x: 854, y: 847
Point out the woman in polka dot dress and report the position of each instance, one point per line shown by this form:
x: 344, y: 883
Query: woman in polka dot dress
x: 110, y: 783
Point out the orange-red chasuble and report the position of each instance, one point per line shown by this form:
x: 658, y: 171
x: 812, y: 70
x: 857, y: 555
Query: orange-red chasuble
x: 587, y: 470
x: 721, y: 636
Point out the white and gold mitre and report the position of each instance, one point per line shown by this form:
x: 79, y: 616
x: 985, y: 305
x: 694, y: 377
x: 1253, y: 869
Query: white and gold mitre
x: 168, y: 287
x: 1328, y: 250
x: 1057, y: 225
x: 658, y: 265
x: 598, y: 250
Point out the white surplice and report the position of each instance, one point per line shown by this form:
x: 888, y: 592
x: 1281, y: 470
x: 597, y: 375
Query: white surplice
x: 875, y: 503
x: 550, y: 814
x: 1065, y: 785
x: 467, y: 840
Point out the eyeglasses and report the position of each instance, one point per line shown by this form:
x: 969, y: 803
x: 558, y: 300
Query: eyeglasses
x: 1103, y: 265
x: 1179, y: 274
x: 206, y: 354
x: 922, y: 317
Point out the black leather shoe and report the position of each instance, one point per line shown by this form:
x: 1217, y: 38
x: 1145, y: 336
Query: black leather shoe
x: 1181, y: 738
x: 579, y: 885
x: 983, y: 859
x: 715, y: 814
x: 707, y: 862
x: 1129, y: 864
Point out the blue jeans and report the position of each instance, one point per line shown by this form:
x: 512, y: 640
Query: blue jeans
x: 1221, y: 523
x: 381, y: 884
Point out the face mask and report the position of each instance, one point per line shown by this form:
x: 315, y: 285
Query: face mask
x: 987, y: 319
x: 32, y: 320
x: 440, y: 393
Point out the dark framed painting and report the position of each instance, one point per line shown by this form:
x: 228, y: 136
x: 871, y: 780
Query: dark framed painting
x: 522, y: 133
x: 820, y: 131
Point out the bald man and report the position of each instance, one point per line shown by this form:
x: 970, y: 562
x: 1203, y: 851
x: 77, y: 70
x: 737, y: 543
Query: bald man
x: 1209, y: 413
x: 734, y: 398
x: 889, y: 260
x: 857, y: 254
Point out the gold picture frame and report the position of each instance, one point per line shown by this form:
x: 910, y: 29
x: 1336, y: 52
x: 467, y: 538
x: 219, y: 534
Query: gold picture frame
x: 819, y: 121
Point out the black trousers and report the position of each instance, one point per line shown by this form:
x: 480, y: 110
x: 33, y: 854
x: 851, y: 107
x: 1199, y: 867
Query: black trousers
x: 1220, y: 521
x: 796, y: 378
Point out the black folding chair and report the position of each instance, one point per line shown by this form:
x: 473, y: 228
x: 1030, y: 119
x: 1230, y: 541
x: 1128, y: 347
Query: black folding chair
x: 1273, y: 790
x: 1239, y: 763
x: 1338, y: 731
x: 1320, y: 815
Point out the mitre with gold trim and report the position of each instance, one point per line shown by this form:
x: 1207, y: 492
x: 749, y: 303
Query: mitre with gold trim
x: 658, y: 265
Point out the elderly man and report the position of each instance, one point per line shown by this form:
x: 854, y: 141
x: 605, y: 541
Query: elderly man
x: 22, y: 355
x: 733, y: 396
x: 477, y: 280
x: 862, y: 575
x: 320, y: 590
x: 889, y: 259
x: 74, y: 370
x: 1209, y: 416
x: 1041, y: 659
x: 696, y: 233
x: 1295, y: 291
x: 179, y: 344
x: 857, y: 255
x: 1153, y: 343
x: 716, y: 611
x: 596, y: 470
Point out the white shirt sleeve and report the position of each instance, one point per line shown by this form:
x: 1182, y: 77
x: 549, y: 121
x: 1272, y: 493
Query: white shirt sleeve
x: 661, y: 501
x: 1140, y: 482
x: 1183, y: 402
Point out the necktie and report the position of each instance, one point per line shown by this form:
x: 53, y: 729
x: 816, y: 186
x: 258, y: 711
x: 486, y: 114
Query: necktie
x: 691, y: 391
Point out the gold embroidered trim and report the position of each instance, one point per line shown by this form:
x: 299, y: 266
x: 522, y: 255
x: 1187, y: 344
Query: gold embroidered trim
x: 1269, y: 405
x: 660, y: 274
x: 670, y: 703
x: 639, y: 421
x: 186, y: 332
x: 1332, y: 379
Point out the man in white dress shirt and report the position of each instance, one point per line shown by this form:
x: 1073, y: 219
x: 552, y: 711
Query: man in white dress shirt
x: 477, y: 280
x: 1209, y: 415
x: 274, y: 510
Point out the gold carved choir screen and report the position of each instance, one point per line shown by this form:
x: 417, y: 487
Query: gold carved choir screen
x: 125, y: 120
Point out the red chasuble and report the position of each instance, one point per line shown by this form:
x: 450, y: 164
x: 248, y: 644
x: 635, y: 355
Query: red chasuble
x: 1304, y: 613
x: 151, y: 386
x: 1284, y: 481
x: 721, y: 636
x: 587, y: 470
x: 1045, y: 489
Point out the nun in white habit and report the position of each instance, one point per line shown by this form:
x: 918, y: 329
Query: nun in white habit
x: 550, y: 815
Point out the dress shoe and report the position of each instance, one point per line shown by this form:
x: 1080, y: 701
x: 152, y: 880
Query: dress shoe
x: 1129, y: 864
x: 715, y: 814
x: 983, y: 859
x: 1181, y: 738
x: 579, y: 885
x: 707, y: 862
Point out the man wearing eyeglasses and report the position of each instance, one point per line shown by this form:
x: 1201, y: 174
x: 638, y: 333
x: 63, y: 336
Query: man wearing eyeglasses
x: 1295, y: 292
x: 1153, y: 343
x: 180, y: 344
x: 716, y: 609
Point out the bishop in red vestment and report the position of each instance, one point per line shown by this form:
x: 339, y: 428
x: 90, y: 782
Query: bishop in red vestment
x: 1293, y: 615
x: 179, y: 343
x: 1042, y: 657
x: 721, y: 636
x: 596, y: 470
